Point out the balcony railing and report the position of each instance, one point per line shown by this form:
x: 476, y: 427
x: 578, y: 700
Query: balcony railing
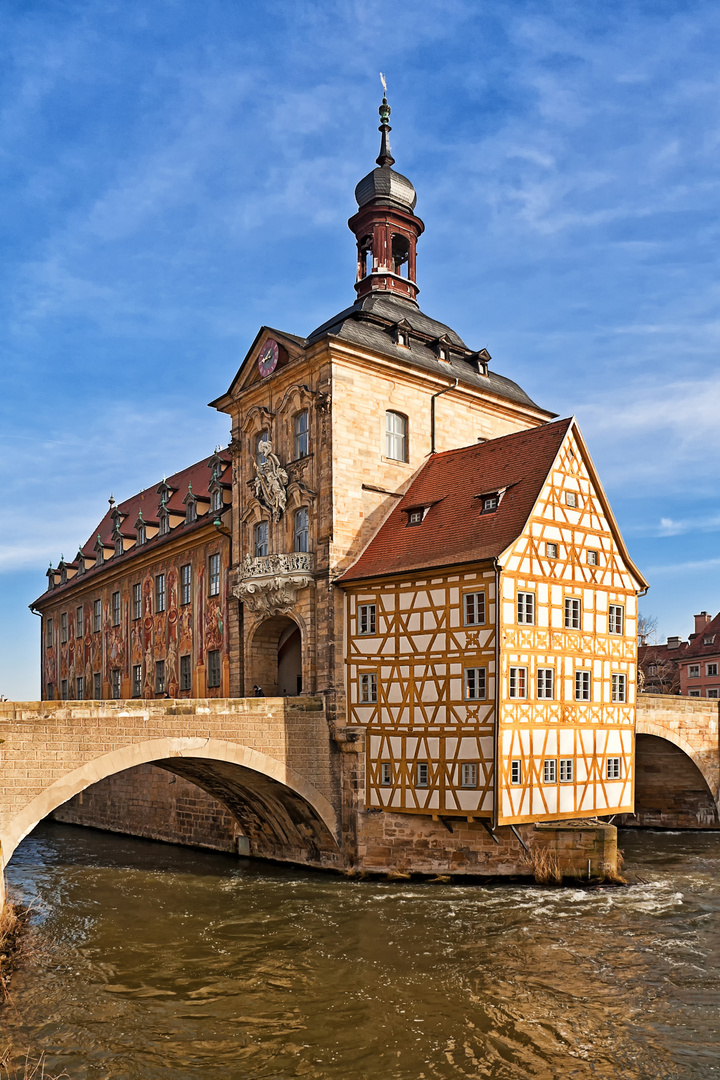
x: 295, y: 562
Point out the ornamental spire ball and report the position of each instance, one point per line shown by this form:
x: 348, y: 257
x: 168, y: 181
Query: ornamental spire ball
x: 384, y: 185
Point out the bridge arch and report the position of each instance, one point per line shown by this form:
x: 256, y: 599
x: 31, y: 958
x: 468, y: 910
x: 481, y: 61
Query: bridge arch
x: 661, y: 731
x: 674, y: 786
x: 296, y: 820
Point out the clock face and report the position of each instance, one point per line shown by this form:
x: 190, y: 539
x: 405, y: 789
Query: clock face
x: 268, y: 358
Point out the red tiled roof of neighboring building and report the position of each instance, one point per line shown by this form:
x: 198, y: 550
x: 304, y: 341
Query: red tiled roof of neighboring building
x: 697, y: 646
x: 454, y: 529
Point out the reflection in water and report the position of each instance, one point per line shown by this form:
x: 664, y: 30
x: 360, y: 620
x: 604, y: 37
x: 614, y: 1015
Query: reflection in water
x: 164, y: 962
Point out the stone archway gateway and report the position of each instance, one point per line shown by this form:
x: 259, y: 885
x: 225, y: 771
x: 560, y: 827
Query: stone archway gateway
x: 276, y: 658
x: 267, y: 762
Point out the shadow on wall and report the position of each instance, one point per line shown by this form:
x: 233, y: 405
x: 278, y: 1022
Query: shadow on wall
x: 670, y: 790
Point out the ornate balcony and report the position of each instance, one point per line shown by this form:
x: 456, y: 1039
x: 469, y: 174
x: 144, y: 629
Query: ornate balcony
x: 269, y: 584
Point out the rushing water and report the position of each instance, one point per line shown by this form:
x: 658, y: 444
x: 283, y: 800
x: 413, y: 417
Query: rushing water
x: 150, y: 961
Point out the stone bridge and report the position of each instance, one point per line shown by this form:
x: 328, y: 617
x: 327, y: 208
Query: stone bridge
x: 268, y: 760
x: 677, y: 763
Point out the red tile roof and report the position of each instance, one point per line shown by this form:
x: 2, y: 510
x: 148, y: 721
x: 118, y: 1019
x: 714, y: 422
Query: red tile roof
x: 454, y: 529
x: 697, y: 646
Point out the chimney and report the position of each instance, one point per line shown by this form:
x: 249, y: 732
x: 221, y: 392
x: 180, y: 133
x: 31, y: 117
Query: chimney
x: 701, y: 622
x: 673, y: 643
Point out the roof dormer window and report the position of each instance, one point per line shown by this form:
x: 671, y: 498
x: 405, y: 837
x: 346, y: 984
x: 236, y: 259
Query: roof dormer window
x: 99, y: 551
x: 416, y: 515
x: 190, y: 506
x: 708, y: 639
x: 164, y: 519
x: 401, y: 333
x: 217, y: 499
x: 140, y: 530
x: 80, y: 560
x: 119, y: 547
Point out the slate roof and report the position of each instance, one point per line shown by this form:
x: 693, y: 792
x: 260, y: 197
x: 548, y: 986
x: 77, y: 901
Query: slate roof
x: 697, y: 648
x: 369, y: 323
x: 454, y: 529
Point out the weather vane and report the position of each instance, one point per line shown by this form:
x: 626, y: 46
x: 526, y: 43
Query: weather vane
x: 384, y: 84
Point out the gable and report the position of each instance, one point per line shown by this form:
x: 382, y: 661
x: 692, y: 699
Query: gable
x: 290, y: 348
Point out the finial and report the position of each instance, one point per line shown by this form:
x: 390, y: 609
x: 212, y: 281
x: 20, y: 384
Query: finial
x: 384, y: 157
x: 190, y: 487
x: 111, y: 500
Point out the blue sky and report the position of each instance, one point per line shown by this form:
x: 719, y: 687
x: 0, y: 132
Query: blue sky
x: 175, y: 174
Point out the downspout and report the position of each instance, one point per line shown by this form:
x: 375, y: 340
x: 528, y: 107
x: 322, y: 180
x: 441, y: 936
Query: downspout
x: 432, y: 413
x: 496, y: 728
x: 39, y: 614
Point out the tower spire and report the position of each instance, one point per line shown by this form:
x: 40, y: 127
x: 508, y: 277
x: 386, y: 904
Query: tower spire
x: 384, y: 157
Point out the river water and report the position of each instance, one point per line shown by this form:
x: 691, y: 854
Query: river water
x: 153, y: 961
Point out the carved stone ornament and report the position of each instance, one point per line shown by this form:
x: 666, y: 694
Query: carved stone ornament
x: 269, y: 584
x: 271, y: 481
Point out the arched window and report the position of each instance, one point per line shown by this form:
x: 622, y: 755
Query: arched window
x: 261, y: 539
x: 301, y: 529
x: 400, y: 253
x: 264, y: 436
x: 302, y: 442
x: 396, y: 436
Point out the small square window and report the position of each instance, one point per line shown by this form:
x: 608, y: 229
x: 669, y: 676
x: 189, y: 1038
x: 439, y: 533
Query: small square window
x: 694, y: 693
x: 474, y: 608
x: 592, y: 558
x: 422, y: 774
x: 582, y: 686
x: 490, y: 503
x: 693, y: 671
x: 159, y: 676
x: 516, y: 772
x: 711, y: 669
x: 415, y: 517
x: 366, y: 618
x: 468, y: 774
x: 213, y: 668
x: 386, y: 773
x: 616, y: 618
x: 572, y: 614
x: 713, y: 692
x: 550, y: 771
x: 368, y: 687
x: 185, y: 673
x: 551, y: 551
x: 571, y: 498
x: 619, y: 688
x: 566, y: 770
x: 613, y: 768
x: 475, y: 684
x: 518, y: 682
x: 526, y: 607
x: 546, y: 683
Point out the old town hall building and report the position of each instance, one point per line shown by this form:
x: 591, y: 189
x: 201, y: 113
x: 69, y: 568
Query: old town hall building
x: 397, y: 527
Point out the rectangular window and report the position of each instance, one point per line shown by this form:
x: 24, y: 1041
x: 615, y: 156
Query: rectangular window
x: 385, y: 773
x: 615, y: 619
x: 213, y: 658
x: 693, y: 671
x: 160, y: 592
x: 159, y: 676
x: 79, y: 622
x: 546, y: 683
x: 613, y: 768
x: 116, y: 609
x: 79, y: 688
x: 368, y: 687
x: 582, y: 686
x: 711, y: 669
x: 185, y: 673
x: 48, y: 632
x: 50, y: 692
x: 592, y: 558
x: 422, y: 774
x: 474, y: 608
x: 261, y: 539
x: 518, y: 682
x: 712, y: 692
x: 516, y: 772
x: 619, y: 688
x: 526, y: 607
x: 137, y: 680
x: 366, y: 618
x: 301, y: 434
x: 63, y: 628
x: 572, y: 614
x: 571, y: 498
x: 549, y: 771
x: 115, y: 684
x: 468, y: 774
x: 63, y: 689
x: 214, y: 576
x: 694, y: 693
x: 566, y: 770
x: 97, y: 616
x: 551, y: 551
x: 137, y: 601
x: 185, y: 583
x: 301, y: 529
x: 395, y: 436
x: 475, y: 684
x: 97, y: 686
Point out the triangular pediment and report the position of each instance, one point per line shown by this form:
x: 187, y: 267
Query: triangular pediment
x: 261, y: 363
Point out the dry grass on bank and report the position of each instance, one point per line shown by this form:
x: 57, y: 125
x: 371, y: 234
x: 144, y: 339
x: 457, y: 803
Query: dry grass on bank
x: 545, y: 865
x: 13, y: 925
x: 26, y: 1069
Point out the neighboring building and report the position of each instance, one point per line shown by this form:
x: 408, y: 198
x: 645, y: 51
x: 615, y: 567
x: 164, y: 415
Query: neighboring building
x: 491, y: 629
x: 142, y: 610
x: 700, y: 662
x: 659, y: 666
x: 348, y: 488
